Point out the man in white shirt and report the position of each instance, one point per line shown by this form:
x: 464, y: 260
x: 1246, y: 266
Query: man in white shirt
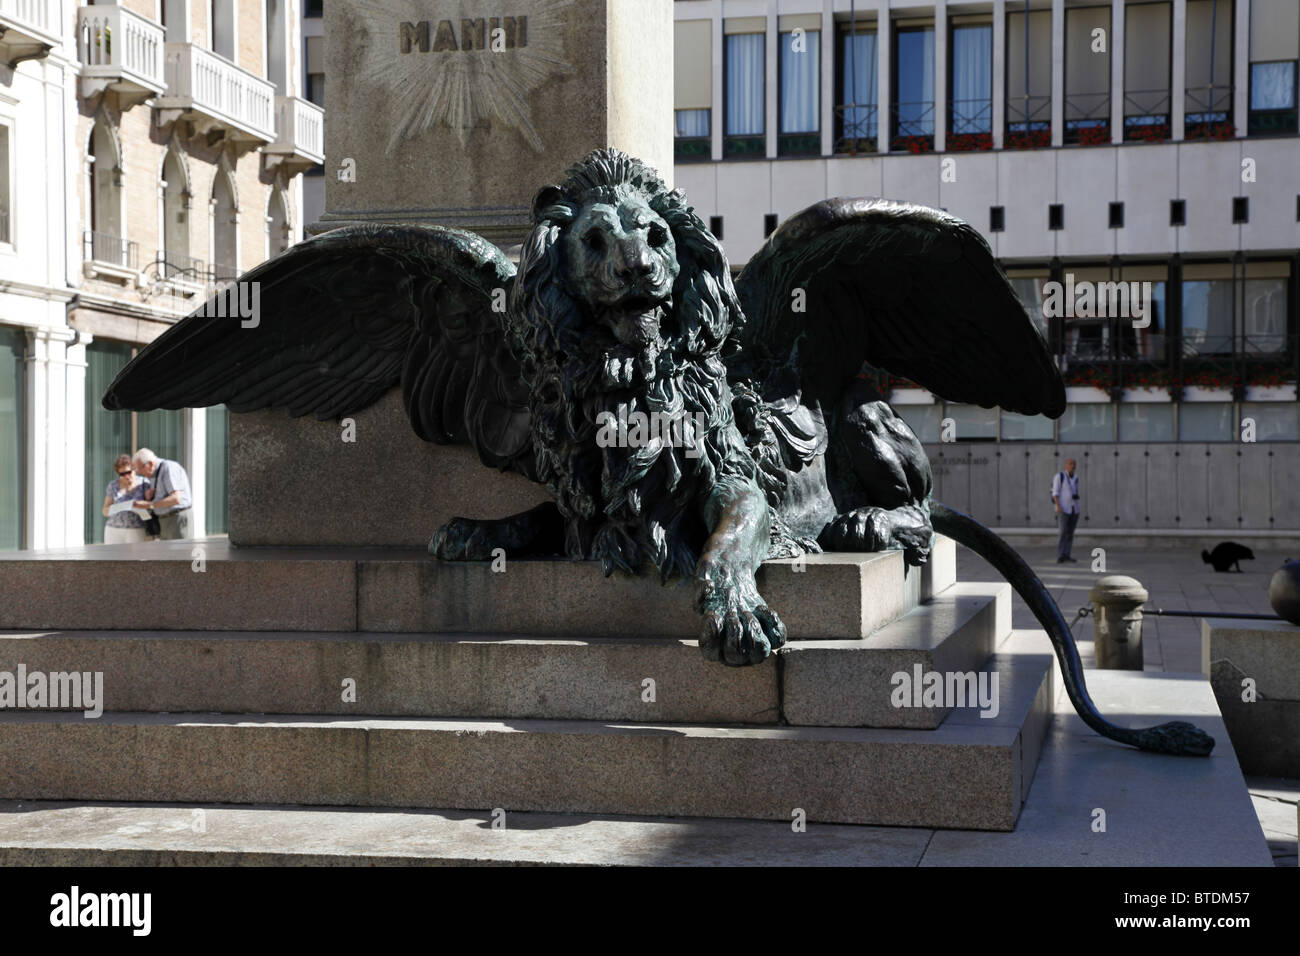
x: 1065, y: 496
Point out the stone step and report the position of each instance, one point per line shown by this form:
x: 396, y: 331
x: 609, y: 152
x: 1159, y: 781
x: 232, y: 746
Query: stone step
x: 158, y: 586
x: 970, y: 773
x: 827, y: 683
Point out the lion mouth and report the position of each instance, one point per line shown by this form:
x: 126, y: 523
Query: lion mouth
x: 635, y: 321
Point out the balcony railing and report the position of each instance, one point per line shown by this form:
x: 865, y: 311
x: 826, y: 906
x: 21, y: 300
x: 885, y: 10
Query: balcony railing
x: 857, y: 128
x: 170, y: 264
x: 1208, y: 113
x: 300, y: 135
x: 1146, y: 115
x: 215, y: 94
x: 913, y: 126
x: 108, y: 249
x: 29, y: 29
x: 120, y: 51
x: 1087, y: 118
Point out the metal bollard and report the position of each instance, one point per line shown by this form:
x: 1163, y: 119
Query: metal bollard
x: 1117, y: 622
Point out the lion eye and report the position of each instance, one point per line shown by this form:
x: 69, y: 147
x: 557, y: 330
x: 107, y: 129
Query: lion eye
x: 658, y: 235
x: 594, y: 240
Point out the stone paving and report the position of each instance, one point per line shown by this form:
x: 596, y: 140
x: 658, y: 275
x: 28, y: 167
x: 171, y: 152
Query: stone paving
x: 1176, y: 579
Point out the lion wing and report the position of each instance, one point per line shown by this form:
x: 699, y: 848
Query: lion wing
x: 332, y: 324
x: 906, y: 288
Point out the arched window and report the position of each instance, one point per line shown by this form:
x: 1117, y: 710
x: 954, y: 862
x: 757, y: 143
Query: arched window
x: 176, y: 224
x: 225, y: 228
x: 277, y: 224
x: 104, y: 195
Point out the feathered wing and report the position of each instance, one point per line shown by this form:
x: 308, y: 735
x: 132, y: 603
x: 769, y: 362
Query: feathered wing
x: 341, y: 319
x: 906, y: 288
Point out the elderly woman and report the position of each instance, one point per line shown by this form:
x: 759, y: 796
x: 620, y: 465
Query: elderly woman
x: 127, y: 525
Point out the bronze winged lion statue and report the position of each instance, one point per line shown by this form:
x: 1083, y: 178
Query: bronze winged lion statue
x: 684, y: 423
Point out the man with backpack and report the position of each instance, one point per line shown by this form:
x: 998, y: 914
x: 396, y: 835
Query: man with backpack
x: 1065, y: 496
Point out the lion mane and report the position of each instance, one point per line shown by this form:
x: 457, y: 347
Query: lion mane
x: 627, y: 506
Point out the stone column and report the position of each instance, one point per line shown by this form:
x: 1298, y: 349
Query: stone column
x: 771, y: 79
x: 1241, y: 68
x: 1178, y: 74
x: 830, y: 92
x: 546, y: 84
x: 1058, y: 72
x: 1117, y: 71
x: 1117, y: 622
x: 884, y: 77
x: 999, y: 72
x: 940, y: 76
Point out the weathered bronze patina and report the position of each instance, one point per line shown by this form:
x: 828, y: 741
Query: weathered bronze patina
x: 683, y: 422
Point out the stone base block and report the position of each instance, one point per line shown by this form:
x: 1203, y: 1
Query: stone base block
x: 1259, y: 660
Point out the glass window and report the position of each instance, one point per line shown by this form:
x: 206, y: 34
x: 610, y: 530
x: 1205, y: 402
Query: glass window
x: 1274, y: 421
x: 108, y: 434
x: 1029, y: 78
x: 1147, y: 60
x: 914, y: 82
x: 313, y: 8
x: 1209, y: 64
x: 922, y: 419
x: 1146, y: 421
x: 1017, y: 427
x: 972, y: 80
x: 1087, y: 77
x: 691, y: 123
x: 1145, y: 290
x: 745, y: 77
x: 1272, y: 86
x: 1205, y: 421
x: 972, y: 422
x: 1207, y: 310
x: 1029, y: 289
x: 1087, y: 421
x: 216, y: 479
x: 858, y: 73
x: 13, y: 458
x: 800, y: 82
x: 1263, y: 315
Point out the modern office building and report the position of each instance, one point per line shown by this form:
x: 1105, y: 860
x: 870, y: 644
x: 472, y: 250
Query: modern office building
x: 1091, y: 143
x: 149, y: 150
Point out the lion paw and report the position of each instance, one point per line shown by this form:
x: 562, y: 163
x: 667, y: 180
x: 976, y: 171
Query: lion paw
x: 464, y: 539
x: 738, y: 629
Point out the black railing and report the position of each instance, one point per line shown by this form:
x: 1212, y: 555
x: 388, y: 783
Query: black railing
x: 171, y: 264
x: 1146, y: 115
x: 970, y: 117
x: 111, y: 250
x: 913, y: 126
x: 1087, y: 119
x: 857, y: 128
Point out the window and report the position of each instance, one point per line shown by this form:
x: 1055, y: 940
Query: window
x: 857, y: 107
x: 1029, y: 79
x: 175, y: 253
x: 108, y: 434
x: 1264, y: 308
x: 1017, y: 427
x: 970, y: 105
x: 692, y: 89
x: 1207, y: 309
x: 315, y: 63
x: 1145, y: 287
x: 715, y: 227
x: 1212, y: 296
x: 276, y: 25
x: 13, y: 456
x: 222, y: 15
x: 277, y: 224
x: 216, y: 483
x: 225, y: 230
x: 1086, y: 331
x: 1056, y: 215
x: 1147, y: 71
x: 746, y: 104
x: 104, y: 196
x: 1087, y: 421
x: 1115, y: 215
x: 1208, y: 97
x: 1274, y: 50
x: 1029, y: 288
x: 1205, y: 421
x: 913, y: 89
x: 1087, y: 77
x: 922, y: 419
x: 973, y: 423
x: 1146, y: 421
x: 1178, y: 212
x: 800, y: 103
x: 313, y: 8
x: 1274, y: 421
x: 997, y: 218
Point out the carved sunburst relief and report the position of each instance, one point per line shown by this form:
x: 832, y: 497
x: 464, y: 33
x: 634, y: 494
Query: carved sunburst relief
x: 462, y: 65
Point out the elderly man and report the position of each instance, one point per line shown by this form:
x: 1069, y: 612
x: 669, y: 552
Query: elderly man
x: 171, y: 499
x: 1065, y: 496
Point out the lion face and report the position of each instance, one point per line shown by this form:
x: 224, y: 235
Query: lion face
x: 620, y: 259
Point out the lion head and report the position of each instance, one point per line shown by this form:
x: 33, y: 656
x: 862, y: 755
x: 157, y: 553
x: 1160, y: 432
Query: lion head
x: 624, y: 304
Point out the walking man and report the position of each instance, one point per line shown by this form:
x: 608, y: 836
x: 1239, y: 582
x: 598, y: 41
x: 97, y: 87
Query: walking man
x: 1065, y: 496
x: 171, y: 499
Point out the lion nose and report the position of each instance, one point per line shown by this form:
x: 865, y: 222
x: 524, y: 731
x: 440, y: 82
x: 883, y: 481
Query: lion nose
x: 633, y: 259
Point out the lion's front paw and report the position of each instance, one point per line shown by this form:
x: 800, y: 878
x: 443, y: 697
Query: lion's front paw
x: 738, y: 628
x: 463, y: 539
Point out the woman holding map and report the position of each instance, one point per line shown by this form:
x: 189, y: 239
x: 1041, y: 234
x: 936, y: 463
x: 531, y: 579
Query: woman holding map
x: 125, y: 521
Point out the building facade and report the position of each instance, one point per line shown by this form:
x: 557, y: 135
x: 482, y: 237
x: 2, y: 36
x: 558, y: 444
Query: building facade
x: 152, y: 150
x: 1102, y: 148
